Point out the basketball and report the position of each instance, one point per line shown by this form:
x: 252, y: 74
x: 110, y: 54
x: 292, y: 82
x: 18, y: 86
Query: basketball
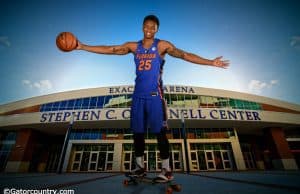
x: 66, y: 41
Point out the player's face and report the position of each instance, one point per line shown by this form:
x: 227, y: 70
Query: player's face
x: 149, y: 29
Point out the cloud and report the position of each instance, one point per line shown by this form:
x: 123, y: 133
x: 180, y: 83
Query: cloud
x: 295, y: 42
x: 41, y: 85
x: 257, y: 86
x: 25, y: 82
x: 4, y: 41
x: 274, y: 82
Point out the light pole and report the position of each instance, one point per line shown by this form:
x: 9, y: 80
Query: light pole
x: 64, y: 148
x: 185, y: 143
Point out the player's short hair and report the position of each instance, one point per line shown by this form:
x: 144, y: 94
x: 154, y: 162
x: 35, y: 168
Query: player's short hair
x: 152, y: 18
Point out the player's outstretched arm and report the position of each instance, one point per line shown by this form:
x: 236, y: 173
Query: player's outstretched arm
x: 193, y: 58
x: 123, y: 49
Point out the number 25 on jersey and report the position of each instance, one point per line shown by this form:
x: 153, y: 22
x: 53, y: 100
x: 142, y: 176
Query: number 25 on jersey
x: 144, y: 65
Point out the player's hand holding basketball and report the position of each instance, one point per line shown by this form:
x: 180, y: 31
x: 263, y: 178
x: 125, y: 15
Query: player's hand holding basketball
x: 220, y: 63
x: 66, y: 41
x: 79, y: 45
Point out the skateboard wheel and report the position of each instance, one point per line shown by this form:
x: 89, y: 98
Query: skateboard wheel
x: 125, y: 182
x: 169, y: 190
x: 177, y: 188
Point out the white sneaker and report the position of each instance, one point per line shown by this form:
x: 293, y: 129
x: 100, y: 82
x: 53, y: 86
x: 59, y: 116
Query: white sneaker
x: 137, y: 172
x: 164, y: 176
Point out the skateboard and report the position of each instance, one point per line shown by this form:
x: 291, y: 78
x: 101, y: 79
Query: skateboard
x: 170, y: 185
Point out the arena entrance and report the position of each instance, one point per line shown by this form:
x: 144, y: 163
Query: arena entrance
x: 92, y: 158
x: 151, y: 157
x: 211, y: 156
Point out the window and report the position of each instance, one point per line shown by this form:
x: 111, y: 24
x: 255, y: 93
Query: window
x: 191, y: 101
x: 211, y: 101
x: 106, y: 102
x: 55, y: 106
x: 63, y: 105
x: 100, y: 101
x: 93, y: 102
x: 115, y: 100
x: 78, y: 103
x: 70, y: 105
x: 11, y: 136
x: 42, y: 108
x: 125, y: 101
x: 167, y: 99
x: 202, y: 101
x: 85, y: 103
x: 177, y: 100
x: 222, y: 102
x: 48, y: 107
x: 129, y: 100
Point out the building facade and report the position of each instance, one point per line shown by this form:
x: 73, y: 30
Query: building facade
x: 209, y: 130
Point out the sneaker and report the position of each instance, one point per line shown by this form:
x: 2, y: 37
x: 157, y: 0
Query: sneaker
x: 164, y: 176
x: 137, y: 172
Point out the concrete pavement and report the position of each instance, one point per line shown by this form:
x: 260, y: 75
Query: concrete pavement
x: 245, y: 182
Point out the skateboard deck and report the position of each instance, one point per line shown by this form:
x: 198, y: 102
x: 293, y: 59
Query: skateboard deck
x: 170, y: 185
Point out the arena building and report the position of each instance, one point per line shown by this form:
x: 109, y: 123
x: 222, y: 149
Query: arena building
x: 209, y: 130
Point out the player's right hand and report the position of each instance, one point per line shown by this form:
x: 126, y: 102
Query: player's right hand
x: 79, y: 45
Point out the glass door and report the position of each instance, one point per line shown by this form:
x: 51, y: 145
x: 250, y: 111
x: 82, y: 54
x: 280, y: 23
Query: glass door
x: 109, y: 160
x: 93, y: 161
x: 249, y: 161
x: 202, y: 160
x: 146, y: 156
x: 176, y: 160
x: 127, y: 160
x: 226, y: 160
x: 218, y: 160
x: 157, y: 161
x: 210, y: 161
x: 194, y: 161
x: 76, y: 161
x: 85, y: 161
x: 101, y: 161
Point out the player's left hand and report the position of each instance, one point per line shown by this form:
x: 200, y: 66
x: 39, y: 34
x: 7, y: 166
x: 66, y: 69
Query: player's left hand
x: 220, y: 63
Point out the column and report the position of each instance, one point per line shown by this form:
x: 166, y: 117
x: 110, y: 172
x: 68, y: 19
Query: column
x: 280, y: 154
x: 118, y: 151
x: 21, y: 154
x: 237, y: 152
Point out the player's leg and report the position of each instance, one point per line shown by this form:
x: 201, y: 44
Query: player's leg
x: 139, y: 147
x: 164, y: 149
x: 138, y: 124
x: 157, y: 117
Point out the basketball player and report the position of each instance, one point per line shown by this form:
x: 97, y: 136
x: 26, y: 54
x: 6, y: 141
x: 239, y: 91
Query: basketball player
x: 147, y: 101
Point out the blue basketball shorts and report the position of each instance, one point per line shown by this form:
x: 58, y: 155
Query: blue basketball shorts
x: 146, y: 112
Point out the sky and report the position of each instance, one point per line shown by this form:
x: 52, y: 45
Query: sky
x: 260, y: 38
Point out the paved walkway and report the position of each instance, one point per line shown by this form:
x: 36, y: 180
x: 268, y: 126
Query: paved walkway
x: 246, y: 182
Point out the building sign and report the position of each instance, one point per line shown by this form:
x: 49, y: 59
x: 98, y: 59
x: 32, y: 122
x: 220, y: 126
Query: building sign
x: 173, y: 113
x: 167, y: 89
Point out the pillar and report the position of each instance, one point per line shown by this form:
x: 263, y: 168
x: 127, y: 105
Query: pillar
x: 117, y: 162
x: 21, y: 154
x: 237, y: 152
x: 280, y: 154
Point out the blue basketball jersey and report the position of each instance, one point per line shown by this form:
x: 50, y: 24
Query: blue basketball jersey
x: 148, y: 70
